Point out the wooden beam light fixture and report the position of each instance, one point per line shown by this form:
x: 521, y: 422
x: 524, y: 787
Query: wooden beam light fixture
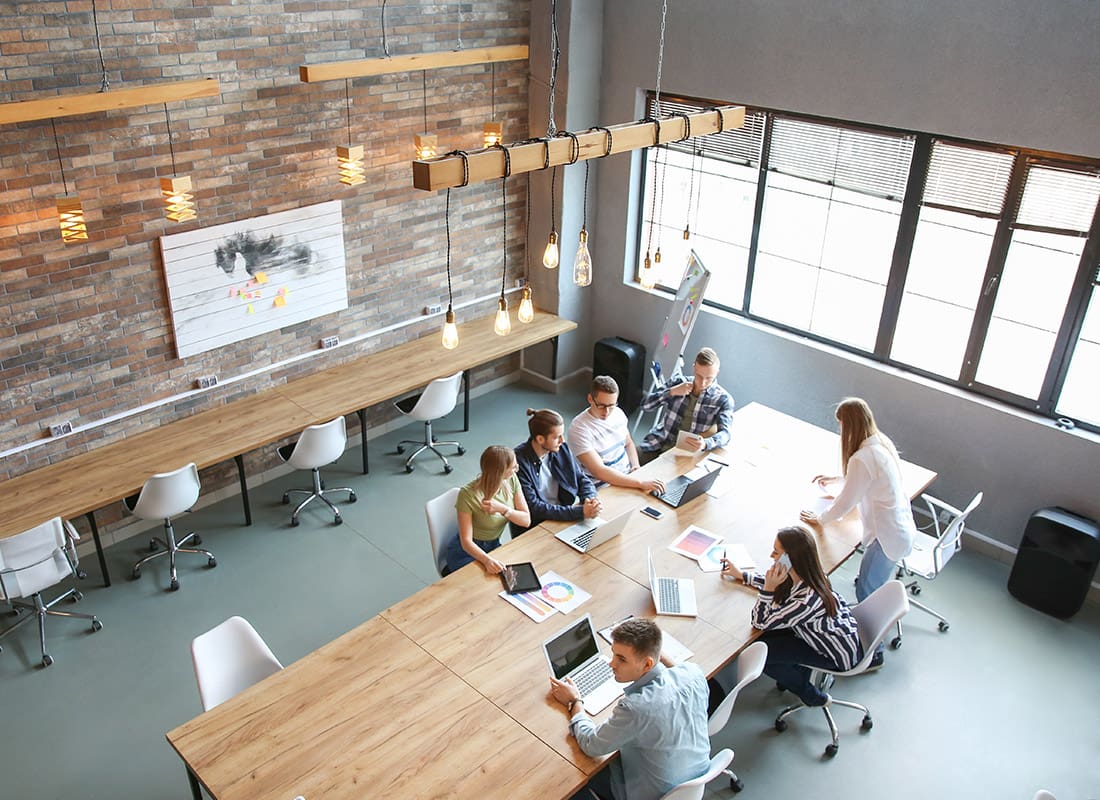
x: 388, y: 65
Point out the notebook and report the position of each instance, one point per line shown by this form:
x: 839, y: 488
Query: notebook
x: 672, y: 596
x: 574, y: 653
x: 590, y: 533
x: 683, y: 489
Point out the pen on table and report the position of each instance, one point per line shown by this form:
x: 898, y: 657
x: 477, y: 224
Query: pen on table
x: 716, y: 461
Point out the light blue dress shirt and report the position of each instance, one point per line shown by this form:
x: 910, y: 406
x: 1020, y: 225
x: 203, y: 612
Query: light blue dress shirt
x: 659, y: 728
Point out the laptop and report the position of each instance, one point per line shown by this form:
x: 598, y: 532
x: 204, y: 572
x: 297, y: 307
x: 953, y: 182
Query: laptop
x: 683, y: 489
x: 672, y: 596
x: 574, y: 653
x: 590, y: 533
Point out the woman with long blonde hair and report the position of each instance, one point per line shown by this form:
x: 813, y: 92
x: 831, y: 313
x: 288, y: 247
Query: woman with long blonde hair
x: 872, y: 481
x: 484, y: 507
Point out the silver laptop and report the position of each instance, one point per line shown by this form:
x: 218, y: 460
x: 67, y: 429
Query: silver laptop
x: 574, y: 653
x: 590, y: 533
x: 672, y: 596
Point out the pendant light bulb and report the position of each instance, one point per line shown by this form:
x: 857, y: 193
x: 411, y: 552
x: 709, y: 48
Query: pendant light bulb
x: 647, y: 276
x: 503, y: 324
x: 582, y: 264
x: 550, y: 256
x: 526, y: 307
x: 450, y: 330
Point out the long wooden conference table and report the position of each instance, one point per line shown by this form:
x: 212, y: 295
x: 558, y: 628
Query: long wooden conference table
x: 80, y: 484
x: 445, y: 693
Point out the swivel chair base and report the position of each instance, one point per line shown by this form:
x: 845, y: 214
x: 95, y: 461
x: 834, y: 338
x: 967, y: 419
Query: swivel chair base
x: 171, y: 547
x: 318, y: 492
x: 429, y: 443
x: 824, y: 681
x: 41, y: 610
x: 914, y: 589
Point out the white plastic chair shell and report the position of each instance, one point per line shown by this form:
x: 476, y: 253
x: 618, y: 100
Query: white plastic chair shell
x: 34, y: 560
x: 442, y: 524
x: 931, y: 552
x: 694, y: 789
x: 168, y: 494
x: 228, y: 659
x: 319, y: 445
x: 438, y: 398
x: 750, y: 666
x: 875, y: 616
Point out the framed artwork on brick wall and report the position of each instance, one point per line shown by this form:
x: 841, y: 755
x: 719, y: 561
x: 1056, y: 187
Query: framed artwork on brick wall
x: 231, y: 282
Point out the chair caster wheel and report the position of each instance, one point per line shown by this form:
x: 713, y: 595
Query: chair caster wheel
x: 78, y: 596
x: 944, y: 627
x: 915, y: 590
x: 174, y: 585
x: 338, y: 521
x: 867, y: 723
x: 408, y: 468
x: 81, y: 574
x: 294, y: 522
x: 135, y: 574
x: 895, y: 642
x: 462, y: 451
x: 400, y: 450
x: 153, y: 545
x: 830, y: 750
x: 47, y: 660
x: 448, y: 469
x: 96, y: 625
x: 736, y: 784
x: 781, y: 725
x: 196, y: 540
x: 352, y: 497
x: 286, y: 499
x: 211, y: 562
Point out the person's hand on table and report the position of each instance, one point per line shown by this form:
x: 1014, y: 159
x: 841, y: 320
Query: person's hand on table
x: 592, y: 507
x: 564, y: 691
x: 730, y: 570
x: 492, y: 566
x: 652, y: 487
x: 693, y: 443
x: 823, y: 482
x: 811, y: 519
x: 776, y: 574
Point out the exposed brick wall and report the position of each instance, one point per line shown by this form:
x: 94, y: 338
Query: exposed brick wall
x: 85, y: 330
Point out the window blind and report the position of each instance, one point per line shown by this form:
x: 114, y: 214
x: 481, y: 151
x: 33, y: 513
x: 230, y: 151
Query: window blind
x: 1059, y: 197
x: 967, y: 178
x: 737, y: 145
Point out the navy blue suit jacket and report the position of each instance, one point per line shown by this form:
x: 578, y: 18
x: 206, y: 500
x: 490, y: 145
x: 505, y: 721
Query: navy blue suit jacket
x: 573, y: 485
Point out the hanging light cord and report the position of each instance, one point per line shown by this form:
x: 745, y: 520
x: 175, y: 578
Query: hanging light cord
x: 527, y: 236
x: 424, y: 90
x: 504, y: 214
x: 660, y: 58
x: 447, y: 217
x: 385, y: 46
x: 494, y: 89
x: 458, y: 44
x: 171, y: 151
x: 584, y: 215
x: 347, y: 105
x: 105, y: 84
x: 555, y: 53
x: 553, y: 197
x: 57, y: 145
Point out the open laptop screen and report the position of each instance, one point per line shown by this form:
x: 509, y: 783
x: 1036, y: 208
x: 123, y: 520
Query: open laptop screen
x: 572, y: 647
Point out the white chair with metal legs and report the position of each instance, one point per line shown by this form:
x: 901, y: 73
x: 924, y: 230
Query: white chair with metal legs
x: 694, y: 789
x: 437, y: 400
x: 33, y: 561
x: 164, y: 496
x: 228, y: 659
x: 318, y: 446
x: 442, y: 526
x: 750, y: 666
x: 875, y: 616
x: 932, y: 549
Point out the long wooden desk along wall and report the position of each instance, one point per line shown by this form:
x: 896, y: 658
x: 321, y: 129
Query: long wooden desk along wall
x: 91, y: 480
x: 358, y: 713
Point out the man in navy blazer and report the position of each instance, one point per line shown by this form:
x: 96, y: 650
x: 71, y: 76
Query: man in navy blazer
x: 552, y: 480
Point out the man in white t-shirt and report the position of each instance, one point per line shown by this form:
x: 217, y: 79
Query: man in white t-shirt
x: 600, y: 439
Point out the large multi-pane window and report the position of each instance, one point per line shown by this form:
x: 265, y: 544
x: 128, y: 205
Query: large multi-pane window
x: 973, y: 264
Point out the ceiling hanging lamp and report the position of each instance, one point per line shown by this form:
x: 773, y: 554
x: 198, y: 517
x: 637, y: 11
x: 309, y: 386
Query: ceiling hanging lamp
x: 526, y: 305
x: 450, y: 330
x: 179, y: 201
x: 551, y: 256
x: 582, y: 263
x: 502, y: 326
x: 427, y: 144
x: 70, y: 211
x: 493, y: 131
x: 349, y: 160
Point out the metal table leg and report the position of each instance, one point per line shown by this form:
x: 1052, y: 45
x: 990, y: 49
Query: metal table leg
x: 196, y: 791
x: 466, y: 400
x: 362, y: 414
x: 90, y: 516
x: 244, y: 490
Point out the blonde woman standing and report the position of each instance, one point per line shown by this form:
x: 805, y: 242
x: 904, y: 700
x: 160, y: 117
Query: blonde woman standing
x: 871, y: 481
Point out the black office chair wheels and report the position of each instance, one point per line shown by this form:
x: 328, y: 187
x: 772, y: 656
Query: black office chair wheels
x: 173, y: 585
x: 96, y: 625
x: 77, y: 596
x: 400, y: 450
x: 895, y: 642
x: 408, y: 468
x: 338, y: 520
x: 736, y: 784
x: 47, y: 660
x: 914, y: 590
x: 135, y: 574
x: 461, y: 450
x: 294, y: 523
x: 448, y: 469
x: 867, y: 723
x: 944, y: 627
x: 830, y: 750
x: 81, y: 574
x: 196, y: 540
x: 153, y: 545
x: 211, y: 562
x: 780, y: 725
x: 352, y: 497
x: 286, y: 499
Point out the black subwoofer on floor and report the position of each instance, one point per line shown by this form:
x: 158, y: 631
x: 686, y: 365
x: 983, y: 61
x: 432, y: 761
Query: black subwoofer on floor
x: 1056, y: 561
x: 624, y: 361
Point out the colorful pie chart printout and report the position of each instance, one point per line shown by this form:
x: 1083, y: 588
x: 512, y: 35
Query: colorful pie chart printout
x: 561, y: 592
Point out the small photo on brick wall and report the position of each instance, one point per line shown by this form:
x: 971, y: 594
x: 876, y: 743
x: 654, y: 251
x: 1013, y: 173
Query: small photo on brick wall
x: 231, y: 282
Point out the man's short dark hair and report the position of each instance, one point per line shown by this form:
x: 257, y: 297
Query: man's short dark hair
x: 605, y: 384
x: 642, y: 635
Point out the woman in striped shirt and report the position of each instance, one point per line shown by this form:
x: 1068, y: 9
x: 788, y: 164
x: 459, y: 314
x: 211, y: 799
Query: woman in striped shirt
x: 804, y: 622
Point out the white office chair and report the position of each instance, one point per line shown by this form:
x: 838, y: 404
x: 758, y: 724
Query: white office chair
x: 932, y: 551
x: 164, y: 496
x: 694, y: 789
x: 33, y: 561
x: 442, y: 526
x: 317, y: 446
x: 437, y: 400
x: 228, y: 659
x: 750, y: 666
x: 875, y: 616
x: 1043, y: 794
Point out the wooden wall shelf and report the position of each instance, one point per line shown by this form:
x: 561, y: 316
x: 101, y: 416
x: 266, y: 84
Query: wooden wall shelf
x: 71, y: 105
x: 335, y: 70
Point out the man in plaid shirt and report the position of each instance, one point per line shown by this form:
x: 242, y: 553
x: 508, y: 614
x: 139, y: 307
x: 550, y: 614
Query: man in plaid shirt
x: 700, y: 407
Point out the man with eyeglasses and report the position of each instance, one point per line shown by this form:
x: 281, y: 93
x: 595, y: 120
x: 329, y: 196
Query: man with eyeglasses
x: 600, y: 439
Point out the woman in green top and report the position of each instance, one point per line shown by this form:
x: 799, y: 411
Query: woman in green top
x: 485, y: 506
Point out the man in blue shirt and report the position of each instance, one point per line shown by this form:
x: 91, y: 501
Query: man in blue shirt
x: 697, y: 407
x: 659, y: 726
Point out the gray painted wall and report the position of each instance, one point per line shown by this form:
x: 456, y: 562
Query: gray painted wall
x: 1014, y: 72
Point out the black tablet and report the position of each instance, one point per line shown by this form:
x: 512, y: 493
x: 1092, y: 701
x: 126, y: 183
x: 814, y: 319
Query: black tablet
x: 520, y: 578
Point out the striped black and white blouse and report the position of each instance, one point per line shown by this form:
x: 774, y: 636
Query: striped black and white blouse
x: 804, y: 614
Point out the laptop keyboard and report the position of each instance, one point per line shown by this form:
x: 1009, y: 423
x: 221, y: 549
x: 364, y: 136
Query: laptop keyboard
x: 673, y: 495
x: 592, y: 676
x: 586, y: 537
x: 668, y: 589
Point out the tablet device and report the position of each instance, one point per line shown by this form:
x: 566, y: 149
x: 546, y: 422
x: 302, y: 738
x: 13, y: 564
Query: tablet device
x: 520, y: 578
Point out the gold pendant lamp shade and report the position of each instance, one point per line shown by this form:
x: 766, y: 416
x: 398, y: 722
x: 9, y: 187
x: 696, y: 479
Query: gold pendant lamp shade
x: 179, y: 202
x: 350, y: 164
x: 70, y: 216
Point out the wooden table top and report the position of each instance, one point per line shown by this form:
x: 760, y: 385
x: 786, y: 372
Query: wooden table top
x: 93, y: 479
x: 370, y: 714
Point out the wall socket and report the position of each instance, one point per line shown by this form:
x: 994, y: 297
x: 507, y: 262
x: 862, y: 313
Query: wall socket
x: 329, y: 341
x: 433, y: 308
x: 207, y: 381
x: 61, y: 428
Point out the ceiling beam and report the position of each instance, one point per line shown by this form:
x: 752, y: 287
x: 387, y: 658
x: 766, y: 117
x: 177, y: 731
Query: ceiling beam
x: 447, y: 171
x: 71, y: 105
x: 387, y: 65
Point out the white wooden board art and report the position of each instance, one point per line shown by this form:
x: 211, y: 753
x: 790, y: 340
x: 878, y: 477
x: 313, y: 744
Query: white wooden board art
x: 242, y: 279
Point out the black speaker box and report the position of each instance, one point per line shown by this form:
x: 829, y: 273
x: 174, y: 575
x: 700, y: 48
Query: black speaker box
x: 624, y: 361
x: 1056, y: 562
